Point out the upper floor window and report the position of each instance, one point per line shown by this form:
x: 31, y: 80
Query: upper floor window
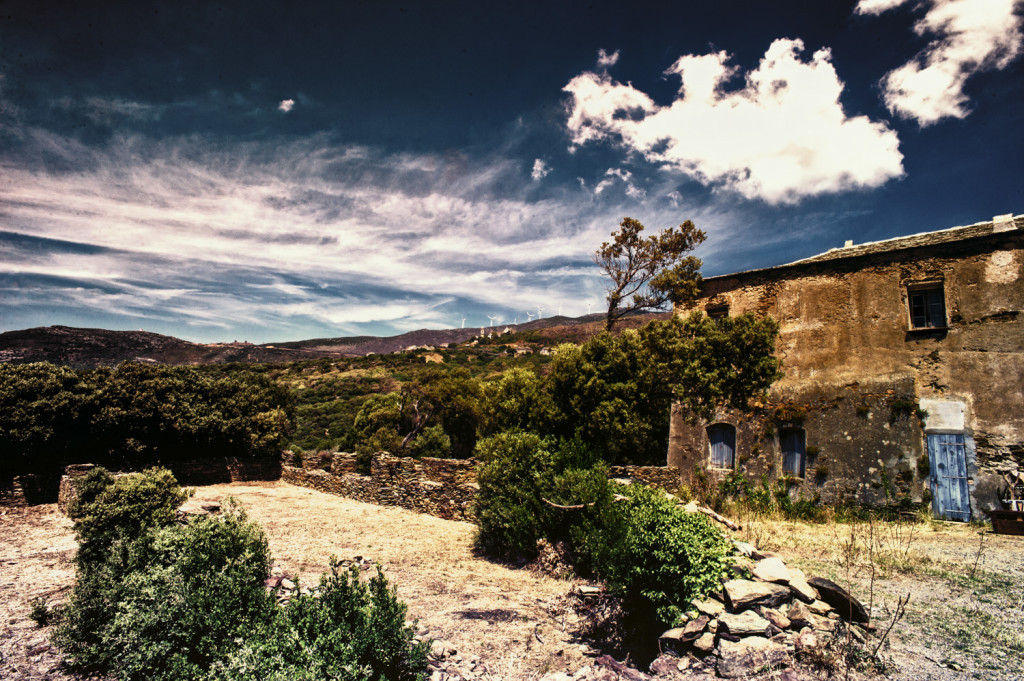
x: 927, y: 306
x: 722, y: 437
x: 793, y: 443
x: 717, y: 312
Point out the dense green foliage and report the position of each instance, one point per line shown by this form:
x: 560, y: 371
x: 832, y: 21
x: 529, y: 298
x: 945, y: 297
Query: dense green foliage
x: 352, y: 630
x: 613, y: 392
x: 135, y: 415
x: 641, y: 542
x: 160, y: 600
x: 666, y: 556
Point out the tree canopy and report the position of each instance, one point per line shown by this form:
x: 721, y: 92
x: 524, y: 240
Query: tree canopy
x: 648, y: 273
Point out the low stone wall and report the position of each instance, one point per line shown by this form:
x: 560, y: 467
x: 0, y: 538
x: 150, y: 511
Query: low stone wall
x: 434, y: 486
x: 199, y: 472
x: 445, y: 488
x: 28, y: 490
x: 659, y: 477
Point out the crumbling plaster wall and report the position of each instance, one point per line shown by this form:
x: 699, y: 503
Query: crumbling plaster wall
x: 848, y: 353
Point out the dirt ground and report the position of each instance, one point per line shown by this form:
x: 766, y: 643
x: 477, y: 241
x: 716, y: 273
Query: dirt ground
x: 964, y: 620
x: 965, y: 617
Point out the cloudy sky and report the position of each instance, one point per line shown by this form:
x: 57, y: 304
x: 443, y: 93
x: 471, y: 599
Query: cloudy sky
x: 275, y: 171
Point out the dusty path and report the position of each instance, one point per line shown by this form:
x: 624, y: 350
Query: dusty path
x: 37, y: 551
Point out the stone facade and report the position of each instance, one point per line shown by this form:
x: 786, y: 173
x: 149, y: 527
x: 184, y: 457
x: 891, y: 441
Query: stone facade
x: 445, y: 488
x: 884, y: 346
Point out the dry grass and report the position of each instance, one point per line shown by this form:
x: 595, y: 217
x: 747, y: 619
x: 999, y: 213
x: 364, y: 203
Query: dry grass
x: 515, y: 620
x: 966, y: 613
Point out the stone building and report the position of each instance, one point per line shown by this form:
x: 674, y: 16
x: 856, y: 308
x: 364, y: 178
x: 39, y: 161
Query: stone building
x: 904, y: 372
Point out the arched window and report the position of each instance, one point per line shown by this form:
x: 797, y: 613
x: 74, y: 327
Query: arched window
x: 722, y: 437
x: 793, y: 443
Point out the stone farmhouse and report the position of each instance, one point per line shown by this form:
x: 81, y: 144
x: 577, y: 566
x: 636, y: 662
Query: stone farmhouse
x: 904, y: 373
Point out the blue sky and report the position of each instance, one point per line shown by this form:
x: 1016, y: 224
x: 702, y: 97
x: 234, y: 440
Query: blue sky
x: 279, y: 171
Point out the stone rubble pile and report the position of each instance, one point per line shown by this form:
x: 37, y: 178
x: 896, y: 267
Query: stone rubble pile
x: 762, y: 618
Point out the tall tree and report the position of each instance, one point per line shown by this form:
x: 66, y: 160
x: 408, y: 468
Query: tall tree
x: 648, y: 273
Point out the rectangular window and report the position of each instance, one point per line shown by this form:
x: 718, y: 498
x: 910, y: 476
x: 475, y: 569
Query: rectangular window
x: 718, y: 312
x: 792, y: 442
x: 927, y: 307
x: 722, y: 437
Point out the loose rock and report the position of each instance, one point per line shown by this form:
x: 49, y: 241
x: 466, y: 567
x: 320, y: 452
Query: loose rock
x: 771, y: 570
x: 744, y: 657
x: 748, y: 623
x: 839, y: 598
x: 741, y: 594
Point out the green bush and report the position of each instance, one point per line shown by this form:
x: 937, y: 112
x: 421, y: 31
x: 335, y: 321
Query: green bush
x: 352, y: 630
x: 201, y: 589
x: 651, y: 552
x: 160, y: 600
x: 666, y: 557
x: 107, y: 509
x: 515, y: 474
x: 432, y: 441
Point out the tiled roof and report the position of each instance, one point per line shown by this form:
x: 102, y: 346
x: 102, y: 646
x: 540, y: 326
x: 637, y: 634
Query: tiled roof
x: 998, y: 224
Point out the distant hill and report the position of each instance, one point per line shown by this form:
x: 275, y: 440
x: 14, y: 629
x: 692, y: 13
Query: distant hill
x: 86, y: 348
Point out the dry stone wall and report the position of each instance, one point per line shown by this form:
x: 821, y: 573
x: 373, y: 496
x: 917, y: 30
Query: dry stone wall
x: 205, y: 472
x: 445, y: 488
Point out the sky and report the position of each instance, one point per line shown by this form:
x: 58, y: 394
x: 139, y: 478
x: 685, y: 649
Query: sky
x: 271, y: 171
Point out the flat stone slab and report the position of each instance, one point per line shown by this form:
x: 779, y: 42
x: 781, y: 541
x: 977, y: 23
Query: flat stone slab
x: 741, y: 594
x: 848, y: 607
x: 801, y: 589
x: 771, y: 570
x: 744, y: 657
x: 748, y: 623
x: 708, y: 607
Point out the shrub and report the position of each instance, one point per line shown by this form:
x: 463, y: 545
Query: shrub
x: 201, y: 589
x: 666, y: 557
x: 516, y: 472
x: 432, y: 441
x: 160, y: 600
x: 108, y: 509
x: 352, y: 630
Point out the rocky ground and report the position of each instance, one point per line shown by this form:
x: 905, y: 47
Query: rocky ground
x: 492, y: 621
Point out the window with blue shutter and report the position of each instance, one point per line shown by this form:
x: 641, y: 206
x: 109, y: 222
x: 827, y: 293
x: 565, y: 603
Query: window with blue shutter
x: 722, y: 437
x: 792, y: 442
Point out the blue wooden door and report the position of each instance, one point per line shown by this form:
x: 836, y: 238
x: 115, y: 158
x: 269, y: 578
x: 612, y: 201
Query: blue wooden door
x: 947, y: 455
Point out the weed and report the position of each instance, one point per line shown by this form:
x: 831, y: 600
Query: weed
x: 41, y: 612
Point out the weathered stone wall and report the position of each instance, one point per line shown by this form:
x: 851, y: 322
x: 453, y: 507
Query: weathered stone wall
x: 28, y: 490
x: 849, y: 353
x: 199, y: 472
x: 445, y: 488
x: 659, y: 477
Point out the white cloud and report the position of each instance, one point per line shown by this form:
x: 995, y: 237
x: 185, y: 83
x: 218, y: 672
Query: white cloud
x: 879, y: 6
x: 605, y: 60
x: 970, y: 36
x: 540, y: 170
x: 780, y: 137
x: 286, y: 105
x: 625, y: 177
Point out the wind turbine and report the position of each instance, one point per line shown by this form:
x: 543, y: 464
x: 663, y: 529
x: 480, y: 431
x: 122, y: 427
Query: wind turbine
x: 492, y: 319
x: 539, y: 310
x: 559, y: 309
x: 529, y: 316
x: 589, y: 305
x: 463, y: 322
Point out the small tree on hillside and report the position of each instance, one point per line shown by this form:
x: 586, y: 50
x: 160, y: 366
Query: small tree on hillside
x: 648, y: 273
